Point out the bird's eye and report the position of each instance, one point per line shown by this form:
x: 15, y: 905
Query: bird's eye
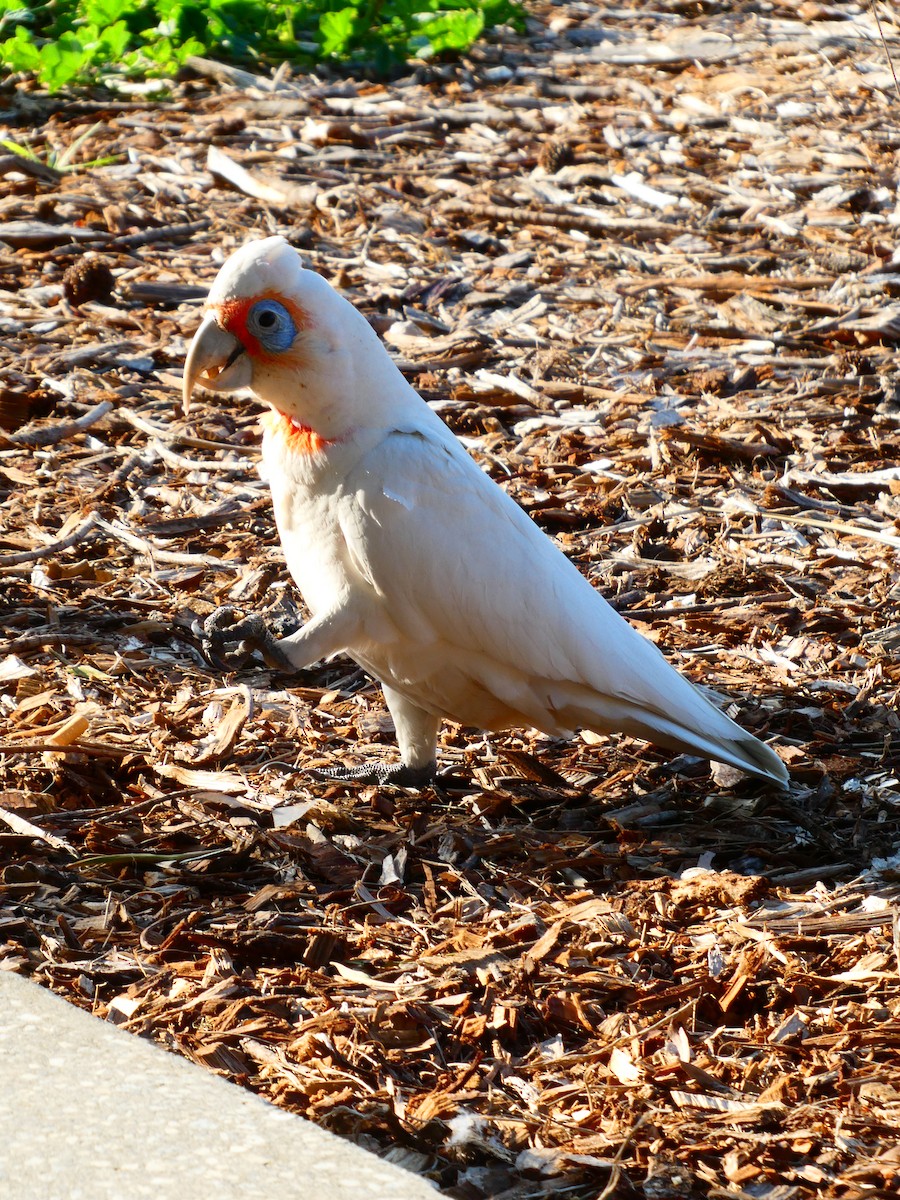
x: 272, y: 325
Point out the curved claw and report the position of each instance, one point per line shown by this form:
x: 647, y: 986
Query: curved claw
x: 228, y: 642
x: 384, y: 774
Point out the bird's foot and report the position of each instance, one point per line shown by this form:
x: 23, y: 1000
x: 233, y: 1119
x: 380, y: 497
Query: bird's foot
x: 384, y: 774
x: 228, y: 642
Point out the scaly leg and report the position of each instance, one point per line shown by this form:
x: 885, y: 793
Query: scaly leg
x: 417, y: 732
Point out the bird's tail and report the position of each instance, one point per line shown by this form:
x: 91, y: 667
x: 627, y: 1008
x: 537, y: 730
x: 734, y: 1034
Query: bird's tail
x: 697, y: 727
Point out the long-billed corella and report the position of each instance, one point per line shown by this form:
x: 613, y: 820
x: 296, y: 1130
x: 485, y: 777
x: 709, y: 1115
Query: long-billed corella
x: 410, y: 558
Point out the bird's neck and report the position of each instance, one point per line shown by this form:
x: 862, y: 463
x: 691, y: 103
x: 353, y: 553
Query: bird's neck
x: 294, y: 435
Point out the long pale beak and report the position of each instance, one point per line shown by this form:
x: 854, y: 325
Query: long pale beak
x: 216, y: 359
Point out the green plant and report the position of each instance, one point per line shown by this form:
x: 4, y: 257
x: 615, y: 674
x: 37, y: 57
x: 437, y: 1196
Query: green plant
x: 62, y: 160
x: 79, y: 41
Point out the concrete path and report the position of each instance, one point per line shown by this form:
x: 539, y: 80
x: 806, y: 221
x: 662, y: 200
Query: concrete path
x: 88, y: 1112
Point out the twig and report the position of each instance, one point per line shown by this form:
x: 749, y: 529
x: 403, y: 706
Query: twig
x: 24, y: 165
x: 649, y: 615
x: 862, y: 479
x: 170, y: 435
x: 714, y: 444
x: 95, y: 522
x: 92, y: 749
x: 283, y: 193
x: 79, y: 534
x: 161, y: 234
x: 224, y: 73
x: 136, y: 459
x: 242, y: 466
x: 50, y: 435
x: 872, y: 535
x: 613, y: 1181
x: 162, y: 293
x: 38, y: 641
x: 155, y: 554
x: 565, y: 219
x: 19, y: 825
x: 874, y: 7
x: 98, y: 860
x: 731, y: 281
x: 95, y: 352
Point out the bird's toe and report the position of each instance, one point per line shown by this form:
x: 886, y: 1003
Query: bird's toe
x: 382, y: 774
x: 225, y: 640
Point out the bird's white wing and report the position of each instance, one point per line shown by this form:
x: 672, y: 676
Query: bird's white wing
x: 459, y: 563
x: 494, y: 625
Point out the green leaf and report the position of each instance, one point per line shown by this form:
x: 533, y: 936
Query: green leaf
x: 116, y: 39
x: 18, y: 148
x: 20, y: 53
x: 190, y: 21
x: 62, y: 61
x: 105, y: 12
x: 65, y: 42
x: 336, y: 30
x: 159, y: 51
x: 453, y: 31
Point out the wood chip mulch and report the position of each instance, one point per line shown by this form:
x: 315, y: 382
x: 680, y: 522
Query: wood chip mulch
x: 644, y: 262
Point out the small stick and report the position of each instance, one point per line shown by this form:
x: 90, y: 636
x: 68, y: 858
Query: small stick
x: 79, y: 534
x: 121, y: 473
x: 584, y: 222
x: 52, y: 434
x: 160, y: 234
x: 169, y: 435
x: 165, y: 556
x: 885, y: 46
x: 19, y: 825
x: 37, y: 641
x: 91, y: 749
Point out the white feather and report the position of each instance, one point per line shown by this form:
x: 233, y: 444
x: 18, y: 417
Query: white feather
x: 417, y: 564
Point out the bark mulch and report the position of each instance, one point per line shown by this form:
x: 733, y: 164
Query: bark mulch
x: 644, y: 263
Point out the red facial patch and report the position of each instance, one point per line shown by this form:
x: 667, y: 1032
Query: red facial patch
x: 232, y: 316
x: 299, y: 438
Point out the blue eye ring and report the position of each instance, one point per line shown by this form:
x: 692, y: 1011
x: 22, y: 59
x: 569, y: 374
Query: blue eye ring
x: 272, y: 325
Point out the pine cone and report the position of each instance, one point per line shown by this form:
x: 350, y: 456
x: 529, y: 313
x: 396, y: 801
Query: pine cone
x: 88, y: 278
x: 554, y: 155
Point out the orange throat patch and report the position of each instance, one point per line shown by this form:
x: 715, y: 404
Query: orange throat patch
x: 299, y: 438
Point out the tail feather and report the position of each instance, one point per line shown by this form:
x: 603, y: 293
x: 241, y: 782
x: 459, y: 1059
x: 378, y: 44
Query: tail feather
x: 760, y: 759
x: 699, y: 728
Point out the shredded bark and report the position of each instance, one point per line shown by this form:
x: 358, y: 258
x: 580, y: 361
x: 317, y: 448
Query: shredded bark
x: 642, y: 260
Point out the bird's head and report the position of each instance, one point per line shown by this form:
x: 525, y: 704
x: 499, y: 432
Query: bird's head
x: 287, y: 335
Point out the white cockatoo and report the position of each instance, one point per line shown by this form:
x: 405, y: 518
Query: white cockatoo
x: 410, y: 558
